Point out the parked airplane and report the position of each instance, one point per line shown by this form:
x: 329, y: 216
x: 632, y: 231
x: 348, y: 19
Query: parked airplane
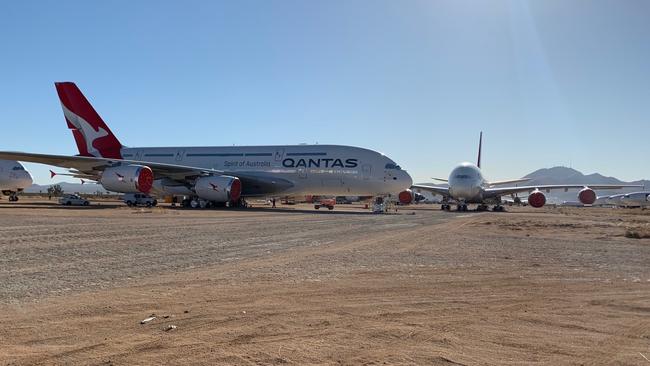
x: 612, y: 200
x: 216, y: 174
x: 13, y: 179
x: 635, y: 199
x: 466, y: 185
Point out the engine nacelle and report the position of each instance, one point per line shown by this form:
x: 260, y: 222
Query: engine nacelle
x: 127, y: 179
x: 587, y: 196
x: 405, y: 197
x: 218, y: 188
x: 537, y: 199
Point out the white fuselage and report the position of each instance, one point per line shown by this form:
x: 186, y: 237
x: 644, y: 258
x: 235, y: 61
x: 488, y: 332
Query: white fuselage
x: 310, y: 169
x: 13, y: 177
x: 466, y: 183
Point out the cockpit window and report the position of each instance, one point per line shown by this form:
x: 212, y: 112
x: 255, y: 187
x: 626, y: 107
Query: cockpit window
x: 393, y: 166
x: 463, y: 176
x: 18, y: 168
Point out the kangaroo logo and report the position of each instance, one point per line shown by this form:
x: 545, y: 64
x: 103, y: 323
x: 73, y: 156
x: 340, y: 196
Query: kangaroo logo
x: 89, y: 133
x: 120, y: 177
x: 215, y: 187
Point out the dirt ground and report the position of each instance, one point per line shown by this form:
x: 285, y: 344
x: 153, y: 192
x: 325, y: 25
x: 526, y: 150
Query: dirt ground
x: 297, y: 286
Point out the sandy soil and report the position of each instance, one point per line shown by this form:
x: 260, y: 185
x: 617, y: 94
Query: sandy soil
x: 297, y: 286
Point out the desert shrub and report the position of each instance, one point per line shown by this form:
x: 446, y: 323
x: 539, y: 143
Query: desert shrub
x: 637, y: 233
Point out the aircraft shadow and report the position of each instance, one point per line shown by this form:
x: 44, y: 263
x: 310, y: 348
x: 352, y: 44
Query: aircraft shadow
x: 55, y: 206
x: 279, y: 210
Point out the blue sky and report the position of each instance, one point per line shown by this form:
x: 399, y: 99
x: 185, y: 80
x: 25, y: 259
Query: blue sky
x: 550, y: 82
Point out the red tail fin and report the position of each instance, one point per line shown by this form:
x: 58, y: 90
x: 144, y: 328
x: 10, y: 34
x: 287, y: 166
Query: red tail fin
x: 92, y: 135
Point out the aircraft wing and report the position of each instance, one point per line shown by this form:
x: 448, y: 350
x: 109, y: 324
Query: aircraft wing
x: 91, y: 168
x: 442, y: 191
x: 510, y: 181
x: 502, y: 191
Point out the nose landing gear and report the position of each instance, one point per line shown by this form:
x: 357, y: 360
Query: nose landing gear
x: 13, y: 197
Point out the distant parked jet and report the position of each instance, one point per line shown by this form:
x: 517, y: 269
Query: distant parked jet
x: 13, y: 179
x: 636, y: 199
x: 466, y: 185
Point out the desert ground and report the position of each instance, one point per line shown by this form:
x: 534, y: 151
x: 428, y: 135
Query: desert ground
x: 551, y: 286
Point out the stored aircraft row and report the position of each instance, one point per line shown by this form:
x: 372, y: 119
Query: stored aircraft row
x: 227, y: 175
x: 632, y: 199
x: 466, y: 185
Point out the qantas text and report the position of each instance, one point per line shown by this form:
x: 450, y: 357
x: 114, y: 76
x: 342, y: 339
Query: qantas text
x: 320, y: 163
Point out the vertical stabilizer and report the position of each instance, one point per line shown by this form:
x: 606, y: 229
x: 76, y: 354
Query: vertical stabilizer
x: 92, y: 135
x: 480, y: 145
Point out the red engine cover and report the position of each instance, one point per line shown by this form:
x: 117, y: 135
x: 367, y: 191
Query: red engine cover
x: 587, y: 196
x: 537, y: 199
x: 405, y: 197
x: 235, y: 190
x: 145, y: 180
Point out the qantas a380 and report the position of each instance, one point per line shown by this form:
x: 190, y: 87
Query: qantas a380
x: 216, y: 174
x: 466, y: 185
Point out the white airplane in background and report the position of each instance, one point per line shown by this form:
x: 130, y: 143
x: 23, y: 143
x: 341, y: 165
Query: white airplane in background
x: 466, y: 185
x: 218, y: 175
x: 13, y: 179
x: 635, y: 199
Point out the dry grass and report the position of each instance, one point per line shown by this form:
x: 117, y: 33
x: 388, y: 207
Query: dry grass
x: 637, y: 233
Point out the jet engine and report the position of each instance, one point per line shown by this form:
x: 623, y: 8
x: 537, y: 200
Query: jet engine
x: 537, y: 199
x: 218, y: 188
x: 405, y: 197
x: 127, y: 179
x: 587, y: 196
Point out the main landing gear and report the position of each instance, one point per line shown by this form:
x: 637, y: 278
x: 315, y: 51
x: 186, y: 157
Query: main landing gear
x: 498, y: 208
x: 445, y: 207
x: 461, y: 207
x: 482, y: 207
x: 13, y: 198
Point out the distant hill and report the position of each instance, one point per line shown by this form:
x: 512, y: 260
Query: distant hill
x: 564, y: 175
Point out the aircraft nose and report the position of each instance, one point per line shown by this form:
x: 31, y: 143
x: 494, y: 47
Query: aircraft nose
x: 404, y: 181
x: 26, y: 179
x: 408, y: 181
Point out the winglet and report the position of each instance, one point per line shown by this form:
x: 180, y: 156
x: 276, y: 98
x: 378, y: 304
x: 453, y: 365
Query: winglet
x: 480, y: 143
x: 52, y: 174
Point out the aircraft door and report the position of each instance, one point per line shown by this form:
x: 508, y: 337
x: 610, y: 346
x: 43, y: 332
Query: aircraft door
x: 179, y: 155
x: 279, y: 154
x: 366, y: 170
x: 302, y: 173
